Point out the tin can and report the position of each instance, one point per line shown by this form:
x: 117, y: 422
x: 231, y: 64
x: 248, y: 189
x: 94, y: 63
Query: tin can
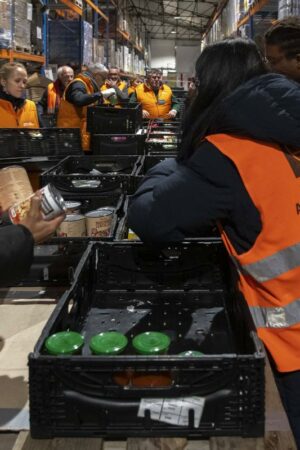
x: 98, y: 222
x: 73, y: 207
x: 14, y: 186
x: 52, y: 205
x: 72, y: 226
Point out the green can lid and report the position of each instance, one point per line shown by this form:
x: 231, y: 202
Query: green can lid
x: 191, y: 353
x: 64, y: 343
x: 151, y: 343
x: 108, y: 343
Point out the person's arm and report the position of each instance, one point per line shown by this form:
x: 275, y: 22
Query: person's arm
x: 121, y: 94
x: 42, y: 103
x: 174, y: 202
x: 77, y: 95
x: 175, y: 104
x: 16, y: 253
x: 41, y: 107
x: 133, y: 98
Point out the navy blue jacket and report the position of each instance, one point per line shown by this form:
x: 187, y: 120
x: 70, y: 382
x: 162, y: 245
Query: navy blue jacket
x: 175, y: 200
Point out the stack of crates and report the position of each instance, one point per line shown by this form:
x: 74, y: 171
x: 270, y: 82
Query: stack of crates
x: 95, y: 182
x: 116, y: 131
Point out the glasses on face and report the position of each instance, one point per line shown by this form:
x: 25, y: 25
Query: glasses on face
x: 155, y: 77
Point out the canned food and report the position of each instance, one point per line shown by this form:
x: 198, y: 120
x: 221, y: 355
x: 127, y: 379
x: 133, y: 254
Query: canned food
x: 14, y: 186
x: 73, y: 207
x: 72, y: 226
x: 52, y: 205
x: 98, y: 222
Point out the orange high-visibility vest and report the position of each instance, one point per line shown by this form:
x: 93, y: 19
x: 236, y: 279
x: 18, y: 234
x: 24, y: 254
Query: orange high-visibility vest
x: 157, y: 106
x: 269, y: 273
x: 121, y: 85
x: 25, y: 117
x: 131, y: 90
x: 53, y: 98
x: 71, y: 116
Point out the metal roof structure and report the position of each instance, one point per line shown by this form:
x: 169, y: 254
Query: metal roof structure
x: 173, y: 19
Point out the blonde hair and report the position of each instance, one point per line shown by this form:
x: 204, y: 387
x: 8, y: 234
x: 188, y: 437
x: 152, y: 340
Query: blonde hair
x: 7, y: 69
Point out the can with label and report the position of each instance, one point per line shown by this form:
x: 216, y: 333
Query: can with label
x: 52, y: 205
x: 14, y: 186
x: 72, y: 226
x: 73, y: 207
x: 98, y: 222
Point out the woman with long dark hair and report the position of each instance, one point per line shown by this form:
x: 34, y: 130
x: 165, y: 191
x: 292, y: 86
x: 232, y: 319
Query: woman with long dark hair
x: 238, y: 166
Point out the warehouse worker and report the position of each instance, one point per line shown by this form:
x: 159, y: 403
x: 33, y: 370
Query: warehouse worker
x: 51, y: 98
x: 282, y: 47
x: 133, y: 85
x: 15, y: 110
x: 156, y: 97
x: 239, y: 166
x: 120, y: 87
x: 84, y: 90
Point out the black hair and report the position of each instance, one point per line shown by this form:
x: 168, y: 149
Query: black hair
x: 220, y: 69
x: 285, y: 34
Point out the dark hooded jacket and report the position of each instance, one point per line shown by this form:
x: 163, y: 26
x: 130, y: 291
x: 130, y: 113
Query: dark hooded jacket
x: 175, y: 200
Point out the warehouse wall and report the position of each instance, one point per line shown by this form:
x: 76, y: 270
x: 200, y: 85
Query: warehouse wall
x: 186, y: 56
x: 163, y: 53
x: 168, y: 54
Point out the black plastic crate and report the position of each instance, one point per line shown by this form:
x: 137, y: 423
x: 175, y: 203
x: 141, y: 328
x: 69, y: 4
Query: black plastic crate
x: 75, y: 174
x: 53, y: 264
x: 16, y: 142
x: 106, y: 119
x: 82, y: 395
x: 118, y: 144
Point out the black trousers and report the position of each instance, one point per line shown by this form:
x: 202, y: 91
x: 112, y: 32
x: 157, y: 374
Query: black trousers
x: 288, y: 384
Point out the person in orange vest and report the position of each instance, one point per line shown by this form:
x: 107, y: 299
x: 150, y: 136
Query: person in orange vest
x: 156, y: 97
x: 239, y: 167
x: 51, y: 98
x: 282, y: 47
x: 83, y: 91
x: 133, y: 84
x: 15, y: 110
x: 120, y: 87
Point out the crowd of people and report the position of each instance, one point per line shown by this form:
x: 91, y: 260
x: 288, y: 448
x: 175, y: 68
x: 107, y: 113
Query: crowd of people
x: 238, y: 167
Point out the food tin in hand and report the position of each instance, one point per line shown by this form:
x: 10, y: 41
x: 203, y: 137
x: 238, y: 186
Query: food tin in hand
x: 52, y: 205
x: 15, y: 186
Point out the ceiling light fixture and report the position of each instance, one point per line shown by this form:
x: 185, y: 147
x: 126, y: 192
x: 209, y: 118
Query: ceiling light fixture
x: 177, y: 17
x: 173, y: 31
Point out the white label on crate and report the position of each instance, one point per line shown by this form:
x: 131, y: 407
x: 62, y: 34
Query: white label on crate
x: 46, y: 273
x: 173, y: 410
x: 38, y: 32
x: 29, y: 11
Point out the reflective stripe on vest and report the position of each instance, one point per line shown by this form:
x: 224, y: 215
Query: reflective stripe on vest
x: 274, y: 265
x: 278, y: 317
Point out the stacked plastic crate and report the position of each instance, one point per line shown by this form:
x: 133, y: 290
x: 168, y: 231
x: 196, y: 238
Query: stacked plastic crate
x: 115, y: 130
